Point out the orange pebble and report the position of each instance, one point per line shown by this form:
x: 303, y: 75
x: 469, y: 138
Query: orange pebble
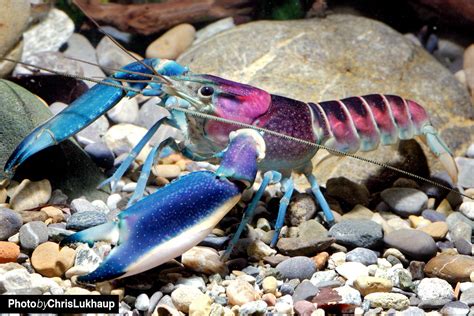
x: 8, y: 251
x: 320, y: 260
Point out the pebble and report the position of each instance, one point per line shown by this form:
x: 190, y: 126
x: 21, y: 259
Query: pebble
x: 143, y: 302
x: 9, y: 252
x: 416, y: 269
x: 347, y: 192
x: 433, y: 216
x: 466, y: 170
x: 269, y: 285
x: 388, y: 300
x: 253, y: 308
x: 201, y: 305
x: 416, y: 244
x: 405, y: 201
x: 81, y: 205
x: 30, y: 194
x: 284, y: 306
x: 362, y: 255
x: 203, y: 259
x: 17, y: 279
x: 304, y: 308
x: 48, y: 260
x: 86, y: 260
x: 357, y: 233
x: 352, y: 270
x: 467, y: 297
x: 240, y: 292
x: 109, y: 55
x: 58, y: 197
x: 11, y: 223
x: 455, y: 308
x: 113, y: 200
x: 297, y: 268
x: 463, y: 246
x: 55, y: 215
x: 444, y: 208
x: 368, y: 284
x: 153, y: 302
x: 418, y: 221
x: 86, y: 219
x: 213, y: 29
x: 100, y: 154
x: 358, y: 212
x: 258, y: 250
x: 93, y: 133
x: 305, y: 291
x: 452, y: 268
x: 467, y: 208
x: 336, y: 259
x: 301, y: 209
x: 323, y: 276
x: 437, y: 230
x: 33, y: 234
x: 183, y: 296
x: 194, y: 281
x: 434, y: 289
x: 150, y: 113
x: 126, y: 135
x: 167, y: 171
x: 172, y: 43
x: 126, y: 111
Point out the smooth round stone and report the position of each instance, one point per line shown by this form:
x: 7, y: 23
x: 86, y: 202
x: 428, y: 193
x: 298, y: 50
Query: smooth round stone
x: 269, y: 285
x: 357, y: 233
x: 452, y: 268
x: 126, y: 111
x: 86, y: 219
x: 467, y: 297
x: 434, y: 289
x: 101, y: 155
x: 203, y: 259
x: 305, y: 291
x: 405, y: 201
x: 30, y: 194
x: 347, y: 192
x: 368, y: 284
x: 362, y: 255
x: 253, y: 308
x: 194, y: 281
x: 153, y: 302
x: 82, y: 205
x: 437, y: 230
x: 33, y: 234
x: 302, y: 208
x: 455, y: 308
x: 416, y: 244
x: 388, y: 300
x: 126, y: 135
x: 466, y: 170
x: 297, y: 268
x: 9, y: 252
x: 467, y: 208
x: 143, y: 302
x: 48, y: 260
x: 183, y: 296
x: 352, y: 270
x: 172, y: 43
x: 463, y: 246
x: 10, y: 223
x: 240, y: 292
x: 433, y: 216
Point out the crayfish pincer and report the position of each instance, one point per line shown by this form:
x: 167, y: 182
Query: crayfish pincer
x: 176, y: 217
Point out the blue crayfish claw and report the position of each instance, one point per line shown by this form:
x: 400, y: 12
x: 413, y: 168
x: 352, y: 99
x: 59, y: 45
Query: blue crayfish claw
x: 36, y: 141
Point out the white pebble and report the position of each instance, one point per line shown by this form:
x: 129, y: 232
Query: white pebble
x: 113, y: 200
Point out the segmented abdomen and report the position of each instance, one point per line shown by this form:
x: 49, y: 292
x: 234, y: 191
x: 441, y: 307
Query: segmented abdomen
x: 363, y: 122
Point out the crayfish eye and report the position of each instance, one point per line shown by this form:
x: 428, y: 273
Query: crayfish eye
x: 206, y: 92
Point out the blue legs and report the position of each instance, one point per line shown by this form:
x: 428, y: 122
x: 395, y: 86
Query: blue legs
x: 288, y: 188
x: 320, y: 198
x: 268, y: 177
x: 130, y: 158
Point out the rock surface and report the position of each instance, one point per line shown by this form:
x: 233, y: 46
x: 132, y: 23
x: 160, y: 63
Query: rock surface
x: 336, y: 62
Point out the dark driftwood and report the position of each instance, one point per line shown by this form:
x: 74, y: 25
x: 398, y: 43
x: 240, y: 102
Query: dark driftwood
x: 457, y: 12
x: 151, y: 18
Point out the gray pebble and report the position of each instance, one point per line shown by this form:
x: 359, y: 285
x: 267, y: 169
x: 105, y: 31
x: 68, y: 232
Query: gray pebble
x: 10, y: 223
x: 466, y: 170
x: 287, y: 289
x: 405, y: 201
x: 297, y: 268
x: 301, y: 209
x: 416, y: 244
x: 83, y: 220
x: 305, y: 291
x: 251, y: 270
x: 467, y: 208
x: 433, y: 304
x: 32, y: 234
x: 58, y: 197
x: 470, y: 151
x: 467, y: 297
x: 94, y: 132
x: 362, y: 255
x: 455, y: 221
x: 433, y: 216
x: 455, y: 308
x: 253, y: 308
x: 463, y: 246
x: 357, y: 233
x: 101, y: 154
x: 154, y: 299
x: 82, y: 205
x: 150, y: 113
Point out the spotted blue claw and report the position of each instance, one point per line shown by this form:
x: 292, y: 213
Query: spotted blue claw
x: 178, y: 216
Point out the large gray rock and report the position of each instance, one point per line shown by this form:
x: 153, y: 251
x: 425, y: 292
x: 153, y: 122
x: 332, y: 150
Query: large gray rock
x: 333, y: 58
x: 67, y: 166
